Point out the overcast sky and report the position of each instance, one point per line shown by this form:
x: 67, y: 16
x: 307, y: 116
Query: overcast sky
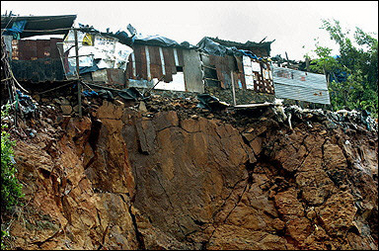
x: 292, y: 24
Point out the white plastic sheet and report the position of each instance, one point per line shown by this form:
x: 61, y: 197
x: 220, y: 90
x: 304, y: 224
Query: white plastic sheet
x: 176, y: 85
x: 111, y: 53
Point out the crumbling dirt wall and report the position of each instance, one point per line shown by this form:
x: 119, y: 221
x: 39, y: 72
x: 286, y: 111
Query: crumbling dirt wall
x: 169, y: 175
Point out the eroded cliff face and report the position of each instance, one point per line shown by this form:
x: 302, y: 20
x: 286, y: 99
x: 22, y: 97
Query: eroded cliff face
x: 127, y: 178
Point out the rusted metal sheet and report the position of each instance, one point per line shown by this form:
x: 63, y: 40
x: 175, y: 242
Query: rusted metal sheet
x: 215, y: 61
x: 299, y: 85
x: 170, y: 58
x: 140, y: 56
x: 180, y: 56
x: 170, y: 67
x: 247, y: 73
x: 116, y: 77
x: 110, y: 76
x: 27, y: 50
x: 131, y: 67
x: 36, y: 49
x: 240, y: 80
x: 36, y: 60
x: 155, y: 62
x: 240, y: 77
x: 54, y: 53
x: 223, y: 69
x: 43, y: 48
x: 152, y: 62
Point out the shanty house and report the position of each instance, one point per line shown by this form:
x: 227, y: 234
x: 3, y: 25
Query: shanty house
x: 234, y: 68
x: 35, y: 59
x: 236, y: 72
x: 162, y: 63
x: 101, y: 57
x: 184, y: 67
x: 54, y: 59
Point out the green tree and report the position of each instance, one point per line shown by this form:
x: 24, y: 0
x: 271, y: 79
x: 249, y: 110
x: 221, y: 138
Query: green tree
x: 358, y: 60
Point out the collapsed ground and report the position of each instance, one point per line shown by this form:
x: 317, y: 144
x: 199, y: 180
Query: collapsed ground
x: 166, y: 172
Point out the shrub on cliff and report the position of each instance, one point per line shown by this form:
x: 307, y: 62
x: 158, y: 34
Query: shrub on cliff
x: 10, y: 186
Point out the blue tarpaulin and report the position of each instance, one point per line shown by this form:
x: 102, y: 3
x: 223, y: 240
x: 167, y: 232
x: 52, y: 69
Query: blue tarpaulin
x: 17, y: 28
x: 214, y: 48
x: 156, y: 40
x: 90, y: 93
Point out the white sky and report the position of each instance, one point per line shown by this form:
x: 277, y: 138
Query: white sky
x: 293, y: 24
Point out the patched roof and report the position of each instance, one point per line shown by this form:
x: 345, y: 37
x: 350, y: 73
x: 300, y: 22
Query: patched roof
x: 40, y: 25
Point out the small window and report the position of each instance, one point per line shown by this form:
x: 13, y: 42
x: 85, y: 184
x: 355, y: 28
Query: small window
x: 179, y: 68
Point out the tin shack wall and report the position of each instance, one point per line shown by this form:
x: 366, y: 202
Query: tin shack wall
x: 178, y: 66
x: 37, y: 60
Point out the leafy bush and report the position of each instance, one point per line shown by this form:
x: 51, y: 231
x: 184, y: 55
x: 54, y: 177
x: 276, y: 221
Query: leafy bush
x: 10, y: 186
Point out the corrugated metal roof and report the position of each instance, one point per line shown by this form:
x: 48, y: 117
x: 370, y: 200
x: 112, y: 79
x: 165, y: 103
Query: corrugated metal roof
x: 300, y: 85
x: 40, y: 25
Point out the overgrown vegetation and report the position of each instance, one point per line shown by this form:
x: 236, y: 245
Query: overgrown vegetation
x: 354, y: 72
x: 10, y: 187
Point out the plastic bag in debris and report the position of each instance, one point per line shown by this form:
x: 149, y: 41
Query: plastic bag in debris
x: 90, y: 93
x: 357, y: 117
x: 25, y: 103
x: 106, y: 95
x: 130, y: 94
x: 343, y: 118
x: 210, y: 102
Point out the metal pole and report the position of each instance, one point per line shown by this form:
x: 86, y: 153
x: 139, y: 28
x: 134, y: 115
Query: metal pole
x: 77, y: 72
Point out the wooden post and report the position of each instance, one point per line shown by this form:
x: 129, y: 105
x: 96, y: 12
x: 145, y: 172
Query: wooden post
x: 77, y: 72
